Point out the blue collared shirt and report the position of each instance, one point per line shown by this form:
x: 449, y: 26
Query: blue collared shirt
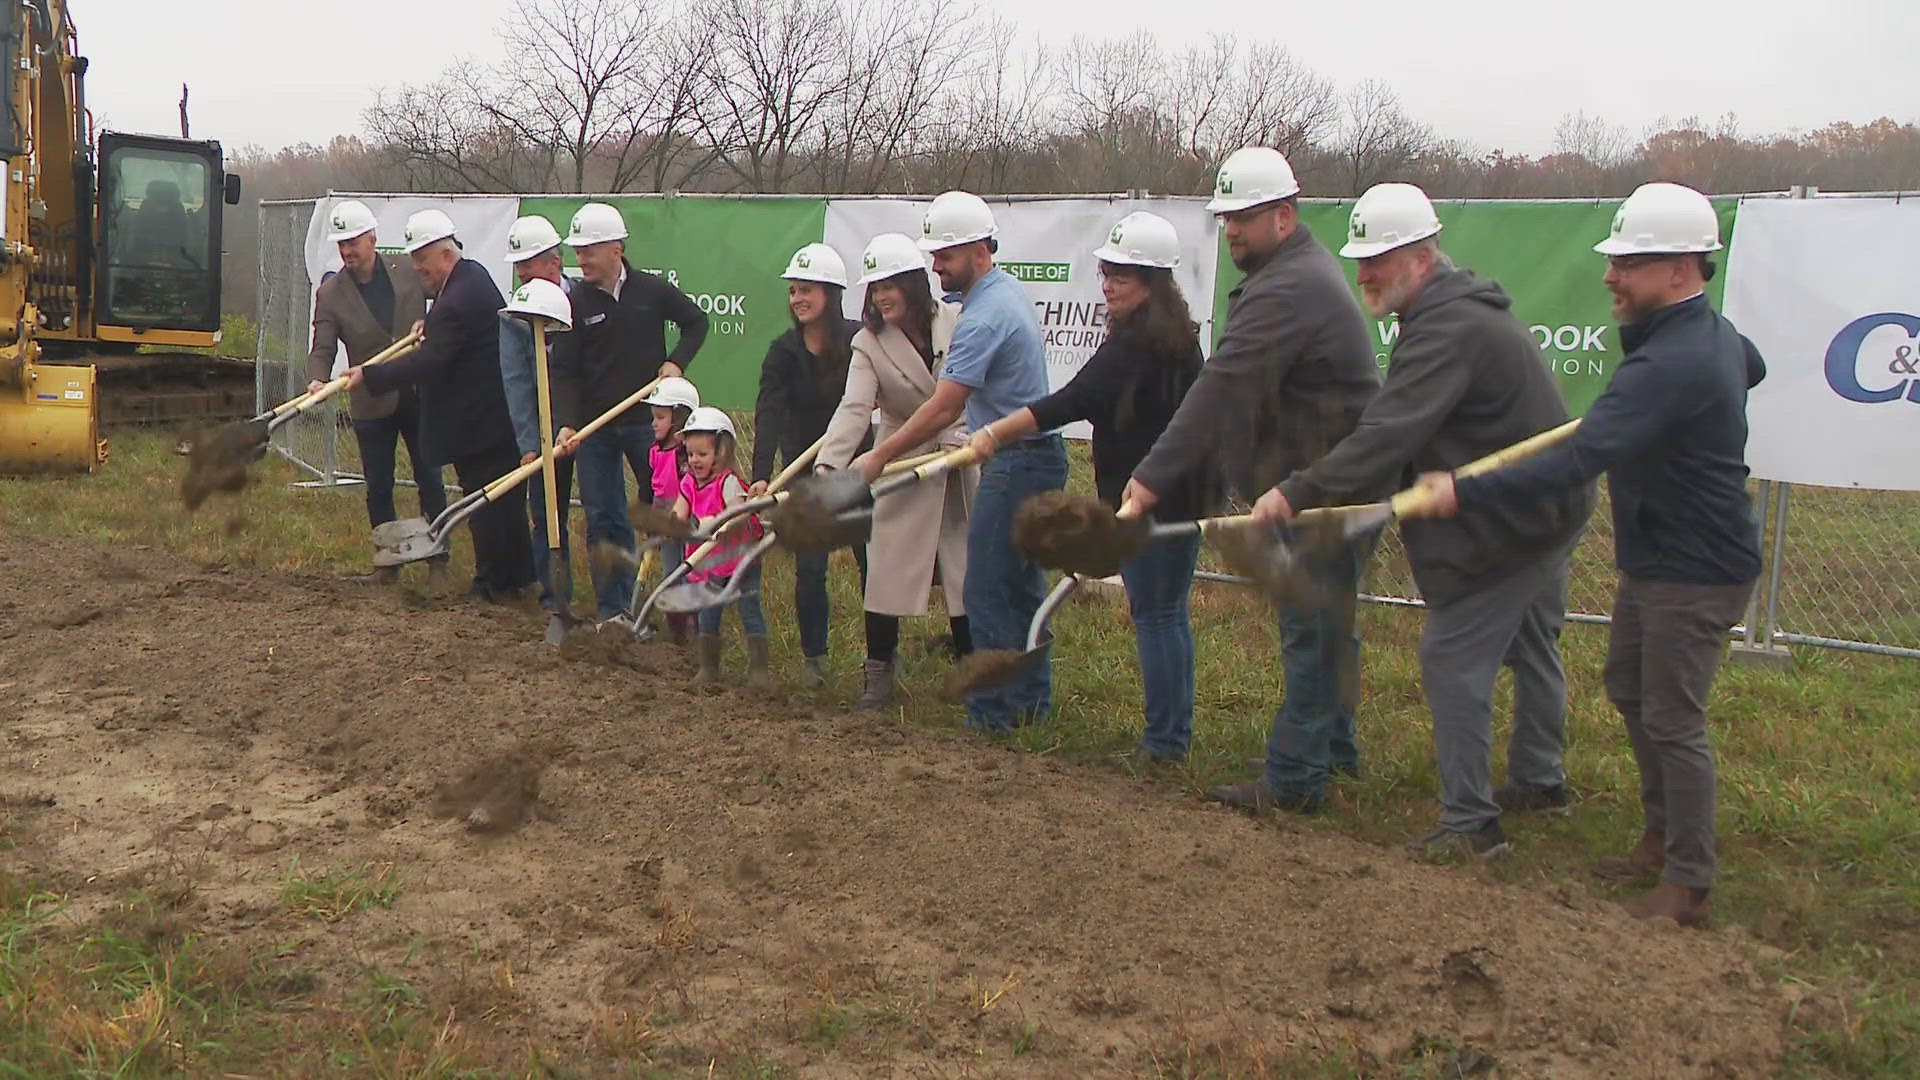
x: 516, y: 377
x: 997, y: 349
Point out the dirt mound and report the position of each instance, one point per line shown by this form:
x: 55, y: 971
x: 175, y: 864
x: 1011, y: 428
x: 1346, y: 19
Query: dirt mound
x: 497, y: 795
x: 690, y: 874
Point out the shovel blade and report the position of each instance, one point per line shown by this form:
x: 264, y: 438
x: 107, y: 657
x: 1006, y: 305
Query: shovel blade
x: 686, y: 599
x: 397, y: 543
x: 825, y: 511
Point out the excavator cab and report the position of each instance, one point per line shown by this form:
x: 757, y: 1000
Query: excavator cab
x: 159, y: 255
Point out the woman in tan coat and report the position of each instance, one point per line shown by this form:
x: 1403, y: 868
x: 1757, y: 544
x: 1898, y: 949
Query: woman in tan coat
x: 922, y: 529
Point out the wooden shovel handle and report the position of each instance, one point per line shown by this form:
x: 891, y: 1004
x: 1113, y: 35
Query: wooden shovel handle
x: 406, y: 344
x: 519, y: 476
x: 1415, y: 499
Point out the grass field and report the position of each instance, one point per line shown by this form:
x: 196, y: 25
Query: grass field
x: 1819, y: 843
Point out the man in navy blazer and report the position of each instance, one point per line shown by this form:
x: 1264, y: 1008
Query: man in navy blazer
x: 464, y: 420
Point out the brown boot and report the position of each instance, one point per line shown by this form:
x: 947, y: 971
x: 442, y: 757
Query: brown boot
x: 1688, y: 907
x: 680, y: 629
x: 757, y: 676
x: 1646, y: 860
x: 709, y: 672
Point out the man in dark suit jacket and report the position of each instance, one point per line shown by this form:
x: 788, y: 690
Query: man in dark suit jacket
x: 464, y: 418
x: 367, y: 307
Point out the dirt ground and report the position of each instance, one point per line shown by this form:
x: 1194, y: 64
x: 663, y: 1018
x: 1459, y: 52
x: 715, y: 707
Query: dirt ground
x: 593, y: 856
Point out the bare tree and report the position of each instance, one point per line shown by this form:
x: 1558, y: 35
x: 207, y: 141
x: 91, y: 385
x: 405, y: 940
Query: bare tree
x: 435, y: 136
x: 1227, y: 96
x: 900, y: 56
x: 775, y: 67
x: 1590, y: 137
x: 1378, y: 138
x: 998, y: 120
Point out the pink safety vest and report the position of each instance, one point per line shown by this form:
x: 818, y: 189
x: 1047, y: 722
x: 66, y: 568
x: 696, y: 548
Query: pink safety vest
x: 705, y: 501
x: 664, y: 461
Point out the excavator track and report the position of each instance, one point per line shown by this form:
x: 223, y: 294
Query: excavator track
x: 172, y: 388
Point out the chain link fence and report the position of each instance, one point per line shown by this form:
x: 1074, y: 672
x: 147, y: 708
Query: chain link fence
x: 1838, y: 566
x: 320, y: 441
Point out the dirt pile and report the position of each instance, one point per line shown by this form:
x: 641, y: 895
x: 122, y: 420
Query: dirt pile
x: 219, y: 460
x: 681, y: 875
x: 1077, y: 534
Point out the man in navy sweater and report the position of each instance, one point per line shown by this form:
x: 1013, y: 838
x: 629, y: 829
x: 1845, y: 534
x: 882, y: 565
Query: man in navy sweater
x: 463, y: 407
x: 1670, y: 432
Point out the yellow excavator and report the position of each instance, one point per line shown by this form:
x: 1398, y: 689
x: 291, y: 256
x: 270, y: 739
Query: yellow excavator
x: 109, y: 262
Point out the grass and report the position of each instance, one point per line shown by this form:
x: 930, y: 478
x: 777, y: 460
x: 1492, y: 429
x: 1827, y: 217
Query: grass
x: 332, y: 895
x: 1820, y: 847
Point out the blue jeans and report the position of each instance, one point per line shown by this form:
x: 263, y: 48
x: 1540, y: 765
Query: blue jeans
x: 1158, y: 582
x: 810, y: 607
x: 379, y: 440
x: 1313, y: 732
x: 556, y: 583
x: 603, y: 488
x: 752, y: 622
x: 1004, y: 589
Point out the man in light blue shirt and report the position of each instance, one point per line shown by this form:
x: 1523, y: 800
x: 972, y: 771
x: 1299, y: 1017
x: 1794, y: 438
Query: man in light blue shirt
x: 533, y: 247
x: 996, y: 364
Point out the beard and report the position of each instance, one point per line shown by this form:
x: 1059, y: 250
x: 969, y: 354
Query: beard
x: 1390, y: 297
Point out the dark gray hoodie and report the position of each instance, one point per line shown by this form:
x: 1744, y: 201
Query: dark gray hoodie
x: 1466, y: 379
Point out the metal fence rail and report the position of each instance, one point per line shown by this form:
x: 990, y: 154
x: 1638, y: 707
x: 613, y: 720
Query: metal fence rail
x: 1839, y: 571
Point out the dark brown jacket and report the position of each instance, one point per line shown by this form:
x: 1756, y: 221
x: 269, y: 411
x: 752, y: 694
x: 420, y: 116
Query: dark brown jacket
x: 340, y: 316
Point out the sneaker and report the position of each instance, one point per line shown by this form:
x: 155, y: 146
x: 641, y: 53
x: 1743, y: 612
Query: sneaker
x: 1444, y: 845
x: 1256, y: 796
x: 1517, y: 798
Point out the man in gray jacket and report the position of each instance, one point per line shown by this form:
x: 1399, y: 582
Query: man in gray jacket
x: 372, y: 303
x: 1289, y: 378
x: 1466, y: 380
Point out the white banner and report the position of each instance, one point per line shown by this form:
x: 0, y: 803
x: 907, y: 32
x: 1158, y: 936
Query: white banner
x: 479, y: 221
x: 1826, y: 289
x: 1049, y: 246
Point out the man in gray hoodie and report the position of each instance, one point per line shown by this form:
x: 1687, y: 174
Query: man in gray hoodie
x: 1287, y: 381
x: 1466, y: 380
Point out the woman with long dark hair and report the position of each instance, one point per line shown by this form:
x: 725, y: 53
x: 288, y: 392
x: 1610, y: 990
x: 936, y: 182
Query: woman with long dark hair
x: 801, y: 381
x: 1129, y: 391
x: 896, y: 360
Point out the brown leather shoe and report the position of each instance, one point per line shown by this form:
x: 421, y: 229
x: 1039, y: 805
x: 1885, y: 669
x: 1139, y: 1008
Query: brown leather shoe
x: 1646, y: 860
x: 1686, y: 906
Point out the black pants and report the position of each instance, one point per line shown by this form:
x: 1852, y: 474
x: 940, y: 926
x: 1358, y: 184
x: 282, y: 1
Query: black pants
x: 502, y: 544
x: 379, y: 442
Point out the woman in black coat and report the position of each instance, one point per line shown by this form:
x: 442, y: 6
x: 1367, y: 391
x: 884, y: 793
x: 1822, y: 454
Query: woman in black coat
x: 1129, y: 391
x: 801, y: 381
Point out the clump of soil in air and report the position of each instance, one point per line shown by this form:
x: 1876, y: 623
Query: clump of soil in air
x: 218, y: 461
x: 497, y: 795
x: 817, y: 516
x: 1076, y: 533
x: 650, y: 520
x: 1277, y: 563
x: 982, y: 669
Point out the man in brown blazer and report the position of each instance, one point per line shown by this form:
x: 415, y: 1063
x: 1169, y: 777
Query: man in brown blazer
x: 369, y: 305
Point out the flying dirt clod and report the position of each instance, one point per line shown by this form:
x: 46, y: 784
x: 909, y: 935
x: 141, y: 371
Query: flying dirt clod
x: 1076, y: 533
x: 218, y: 461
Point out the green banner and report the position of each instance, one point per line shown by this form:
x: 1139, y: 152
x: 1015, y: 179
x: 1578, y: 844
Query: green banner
x: 1540, y: 252
x: 727, y: 254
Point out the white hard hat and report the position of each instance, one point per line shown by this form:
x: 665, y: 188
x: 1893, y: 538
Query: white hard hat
x: 596, y: 223
x: 889, y: 254
x: 708, y: 418
x: 675, y: 393
x: 954, y: 218
x: 1141, y: 239
x: 348, y: 220
x: 1250, y: 176
x: 425, y: 227
x: 542, y: 299
x: 529, y: 236
x: 1387, y: 216
x: 1663, y: 219
x: 817, y: 262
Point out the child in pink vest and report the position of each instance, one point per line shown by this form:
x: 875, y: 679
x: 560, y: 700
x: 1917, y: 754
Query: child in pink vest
x: 710, y: 486
x: 673, y: 402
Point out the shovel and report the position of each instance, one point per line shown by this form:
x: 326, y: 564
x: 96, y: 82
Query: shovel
x: 218, y: 461
x: 984, y: 668
x: 835, y: 509
x: 710, y: 531
x: 558, y: 622
x: 412, y: 539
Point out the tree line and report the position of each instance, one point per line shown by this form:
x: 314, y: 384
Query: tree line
x: 914, y: 97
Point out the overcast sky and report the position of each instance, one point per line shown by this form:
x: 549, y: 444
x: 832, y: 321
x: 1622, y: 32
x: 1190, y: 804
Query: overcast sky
x: 1499, y: 73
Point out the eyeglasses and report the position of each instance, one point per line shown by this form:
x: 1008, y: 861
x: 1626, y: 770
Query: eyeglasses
x: 1624, y: 263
